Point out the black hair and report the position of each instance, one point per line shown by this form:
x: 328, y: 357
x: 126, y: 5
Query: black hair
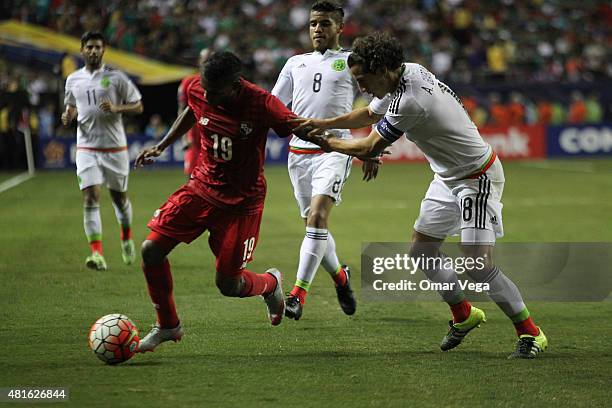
x: 221, y: 65
x: 376, y: 50
x: 329, y: 7
x: 92, y: 35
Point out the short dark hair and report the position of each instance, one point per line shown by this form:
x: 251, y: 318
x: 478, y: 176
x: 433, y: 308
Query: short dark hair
x: 221, y: 65
x: 329, y: 7
x: 376, y: 50
x: 92, y: 35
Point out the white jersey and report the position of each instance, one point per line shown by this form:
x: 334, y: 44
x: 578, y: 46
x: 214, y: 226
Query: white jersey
x: 87, y: 90
x: 433, y: 117
x: 319, y: 86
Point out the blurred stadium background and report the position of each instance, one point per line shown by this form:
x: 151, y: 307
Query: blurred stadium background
x: 535, y: 75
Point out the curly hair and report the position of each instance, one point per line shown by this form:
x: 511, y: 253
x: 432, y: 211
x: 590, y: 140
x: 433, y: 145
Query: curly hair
x: 376, y: 50
x: 221, y: 65
x: 329, y: 7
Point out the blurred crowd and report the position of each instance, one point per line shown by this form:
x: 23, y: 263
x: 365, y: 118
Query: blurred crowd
x: 34, y: 97
x: 459, y: 40
x: 512, y: 42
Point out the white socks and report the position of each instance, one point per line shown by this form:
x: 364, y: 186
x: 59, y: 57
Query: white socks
x: 92, y: 222
x: 330, y: 260
x: 501, y: 290
x: 446, y: 275
x: 124, y: 215
x: 312, y: 251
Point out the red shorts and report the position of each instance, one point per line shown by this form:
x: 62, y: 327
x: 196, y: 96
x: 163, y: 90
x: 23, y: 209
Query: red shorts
x: 233, y: 237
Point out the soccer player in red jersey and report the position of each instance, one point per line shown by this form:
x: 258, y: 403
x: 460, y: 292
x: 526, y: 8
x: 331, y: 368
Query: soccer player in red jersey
x: 192, y: 145
x: 224, y: 195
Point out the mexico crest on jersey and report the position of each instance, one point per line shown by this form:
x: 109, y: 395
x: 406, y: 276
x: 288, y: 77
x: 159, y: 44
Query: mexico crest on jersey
x: 245, y: 128
x: 105, y: 82
x: 339, y: 65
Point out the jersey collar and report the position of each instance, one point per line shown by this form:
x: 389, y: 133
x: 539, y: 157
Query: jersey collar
x: 92, y: 73
x: 330, y: 51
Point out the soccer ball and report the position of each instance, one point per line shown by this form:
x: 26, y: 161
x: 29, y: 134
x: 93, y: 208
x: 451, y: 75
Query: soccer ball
x: 113, y: 338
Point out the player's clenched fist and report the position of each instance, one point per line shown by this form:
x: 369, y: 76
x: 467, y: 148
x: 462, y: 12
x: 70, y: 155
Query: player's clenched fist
x: 147, y: 155
x: 107, y: 106
x: 65, y: 118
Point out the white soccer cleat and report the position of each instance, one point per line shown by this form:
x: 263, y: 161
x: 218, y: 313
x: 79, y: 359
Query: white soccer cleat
x: 275, y: 300
x: 157, y: 335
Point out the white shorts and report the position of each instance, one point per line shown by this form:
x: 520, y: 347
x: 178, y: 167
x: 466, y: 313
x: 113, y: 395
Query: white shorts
x: 318, y: 174
x: 471, y: 207
x: 95, y: 168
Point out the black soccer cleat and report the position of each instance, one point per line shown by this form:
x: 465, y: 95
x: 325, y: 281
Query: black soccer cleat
x: 529, y: 347
x: 346, y: 297
x: 458, y: 331
x: 293, y: 307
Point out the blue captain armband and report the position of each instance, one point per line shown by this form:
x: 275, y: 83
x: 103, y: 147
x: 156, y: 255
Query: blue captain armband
x: 387, y: 131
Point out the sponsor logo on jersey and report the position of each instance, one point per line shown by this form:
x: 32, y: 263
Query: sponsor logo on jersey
x: 339, y: 65
x: 302, y: 65
x: 246, y: 128
x: 156, y: 213
x: 105, y: 82
x: 203, y: 121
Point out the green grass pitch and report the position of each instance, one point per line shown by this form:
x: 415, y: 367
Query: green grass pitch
x: 386, y: 355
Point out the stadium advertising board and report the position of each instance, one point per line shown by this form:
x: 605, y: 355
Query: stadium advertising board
x: 59, y: 153
x: 514, y: 142
x: 582, y: 140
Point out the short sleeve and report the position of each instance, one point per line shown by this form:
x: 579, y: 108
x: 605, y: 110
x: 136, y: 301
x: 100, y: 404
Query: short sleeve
x: 402, y: 115
x: 380, y: 106
x: 69, y: 98
x: 129, y: 92
x: 279, y: 116
x: 283, y: 89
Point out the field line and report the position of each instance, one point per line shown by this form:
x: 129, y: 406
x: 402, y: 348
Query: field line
x: 15, y: 181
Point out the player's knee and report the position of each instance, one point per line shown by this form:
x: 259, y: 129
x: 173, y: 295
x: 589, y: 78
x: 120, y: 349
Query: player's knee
x: 91, y: 200
x: 228, y: 287
x: 317, y: 218
x: 151, y: 253
x: 424, y: 245
x: 482, y: 272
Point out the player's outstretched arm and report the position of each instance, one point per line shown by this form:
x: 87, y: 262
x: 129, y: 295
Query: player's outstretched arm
x: 370, y: 146
x: 181, y: 125
x: 356, y: 119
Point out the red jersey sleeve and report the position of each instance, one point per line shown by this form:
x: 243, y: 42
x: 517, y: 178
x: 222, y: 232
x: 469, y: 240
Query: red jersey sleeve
x: 279, y: 116
x: 194, y: 96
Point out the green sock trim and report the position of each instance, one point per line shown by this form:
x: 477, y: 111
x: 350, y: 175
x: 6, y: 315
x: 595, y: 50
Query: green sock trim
x: 524, y: 315
x: 337, y: 271
x: 94, y: 237
x: 302, y: 284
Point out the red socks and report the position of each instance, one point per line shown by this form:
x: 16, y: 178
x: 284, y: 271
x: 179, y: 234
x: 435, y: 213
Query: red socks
x: 461, y: 311
x: 526, y: 326
x: 257, y: 283
x: 159, y: 282
x: 126, y: 233
x: 340, y: 277
x: 96, y: 246
x: 300, y: 293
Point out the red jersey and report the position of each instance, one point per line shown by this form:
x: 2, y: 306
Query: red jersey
x: 230, y: 171
x: 193, y: 135
x: 192, y: 154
